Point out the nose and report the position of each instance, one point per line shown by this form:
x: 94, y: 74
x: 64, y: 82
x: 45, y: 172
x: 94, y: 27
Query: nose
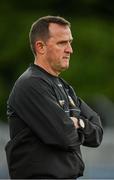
x: 69, y: 49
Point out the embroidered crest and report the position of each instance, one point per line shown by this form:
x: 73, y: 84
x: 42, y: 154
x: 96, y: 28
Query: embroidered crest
x: 71, y: 101
x: 61, y: 102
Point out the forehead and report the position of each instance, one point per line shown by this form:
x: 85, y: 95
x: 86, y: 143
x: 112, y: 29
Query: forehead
x: 58, y: 31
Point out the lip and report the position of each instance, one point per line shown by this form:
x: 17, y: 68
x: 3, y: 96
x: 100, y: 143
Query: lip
x: 66, y: 57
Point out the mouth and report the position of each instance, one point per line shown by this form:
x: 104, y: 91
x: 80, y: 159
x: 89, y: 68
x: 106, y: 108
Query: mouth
x: 66, y: 57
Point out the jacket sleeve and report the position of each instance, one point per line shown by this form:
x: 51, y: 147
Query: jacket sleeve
x: 37, y: 106
x: 93, y: 131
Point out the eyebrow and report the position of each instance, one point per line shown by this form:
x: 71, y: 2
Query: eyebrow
x: 62, y: 41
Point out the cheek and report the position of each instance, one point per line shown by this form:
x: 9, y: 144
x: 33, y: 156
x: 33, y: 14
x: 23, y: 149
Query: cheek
x: 59, y: 52
x: 56, y: 54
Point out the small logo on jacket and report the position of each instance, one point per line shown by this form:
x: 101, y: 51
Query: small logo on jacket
x: 61, y: 102
x: 71, y: 101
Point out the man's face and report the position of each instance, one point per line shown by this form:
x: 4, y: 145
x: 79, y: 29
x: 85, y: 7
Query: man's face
x: 58, y: 47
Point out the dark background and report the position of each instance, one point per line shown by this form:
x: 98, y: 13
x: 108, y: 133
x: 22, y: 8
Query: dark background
x: 91, y: 71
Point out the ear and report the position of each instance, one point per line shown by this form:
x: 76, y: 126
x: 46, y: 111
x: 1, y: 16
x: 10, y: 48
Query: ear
x: 40, y: 47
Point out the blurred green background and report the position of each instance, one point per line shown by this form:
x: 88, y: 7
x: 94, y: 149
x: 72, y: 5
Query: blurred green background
x: 92, y: 63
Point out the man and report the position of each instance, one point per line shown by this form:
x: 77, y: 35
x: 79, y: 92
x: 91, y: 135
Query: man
x: 48, y: 122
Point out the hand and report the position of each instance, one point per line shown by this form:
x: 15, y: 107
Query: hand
x: 75, y: 121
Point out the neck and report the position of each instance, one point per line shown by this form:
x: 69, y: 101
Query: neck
x: 46, y: 67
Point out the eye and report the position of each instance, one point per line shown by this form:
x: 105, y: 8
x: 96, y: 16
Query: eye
x: 62, y: 42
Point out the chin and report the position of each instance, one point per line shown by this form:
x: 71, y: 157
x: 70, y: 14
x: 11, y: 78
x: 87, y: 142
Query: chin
x: 65, y: 68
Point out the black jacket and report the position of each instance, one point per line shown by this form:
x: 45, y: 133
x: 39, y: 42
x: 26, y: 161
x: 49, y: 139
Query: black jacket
x: 44, y: 142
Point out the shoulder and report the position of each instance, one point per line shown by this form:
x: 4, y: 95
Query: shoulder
x: 32, y: 78
x: 31, y: 83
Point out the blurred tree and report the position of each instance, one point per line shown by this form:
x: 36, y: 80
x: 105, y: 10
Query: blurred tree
x: 92, y: 63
